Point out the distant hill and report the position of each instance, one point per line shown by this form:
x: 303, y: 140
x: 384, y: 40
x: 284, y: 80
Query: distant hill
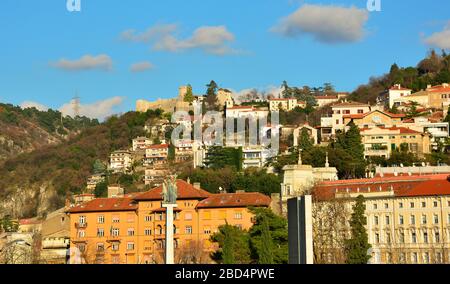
x: 38, y: 182
x: 26, y: 130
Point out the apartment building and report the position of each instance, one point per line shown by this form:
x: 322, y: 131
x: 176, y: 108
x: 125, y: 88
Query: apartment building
x: 285, y: 104
x: 246, y: 111
x: 184, y: 150
x: 156, y: 154
x: 326, y: 100
x: 376, y: 118
x: 131, y: 230
x: 120, y: 161
x: 141, y: 143
x: 408, y: 217
x: 381, y: 141
x: 394, y: 93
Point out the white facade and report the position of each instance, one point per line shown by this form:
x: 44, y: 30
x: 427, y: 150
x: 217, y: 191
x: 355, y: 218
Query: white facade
x: 141, y: 143
x: 120, y: 161
x: 285, y: 104
x: 347, y: 108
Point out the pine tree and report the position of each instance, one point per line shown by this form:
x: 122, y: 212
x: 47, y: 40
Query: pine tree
x: 447, y: 118
x: 358, y: 245
x: 266, y: 252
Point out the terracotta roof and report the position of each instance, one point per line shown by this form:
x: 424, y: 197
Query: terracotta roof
x: 396, y: 88
x: 362, y: 115
x: 185, y: 191
x: 241, y: 107
x: 403, y: 130
x: 348, y: 104
x: 104, y: 205
x: 247, y: 199
x: 32, y: 221
x: 439, y: 89
x: 418, y: 185
x: 160, y: 146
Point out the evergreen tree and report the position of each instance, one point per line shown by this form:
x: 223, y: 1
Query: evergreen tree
x: 227, y: 250
x: 189, y: 96
x: 211, y: 96
x: 305, y: 142
x: 99, y: 167
x: 447, y: 118
x: 266, y: 254
x: 286, y: 93
x: 358, y: 245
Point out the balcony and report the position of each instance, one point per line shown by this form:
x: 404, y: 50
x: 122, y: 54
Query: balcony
x: 80, y: 225
x: 112, y: 239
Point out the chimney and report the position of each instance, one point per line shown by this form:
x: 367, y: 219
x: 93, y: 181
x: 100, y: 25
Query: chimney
x: 197, y: 185
x: 428, y: 87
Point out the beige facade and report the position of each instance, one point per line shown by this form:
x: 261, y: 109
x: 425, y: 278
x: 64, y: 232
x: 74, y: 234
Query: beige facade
x: 375, y: 118
x: 382, y: 141
x: 285, y: 104
x: 408, y: 218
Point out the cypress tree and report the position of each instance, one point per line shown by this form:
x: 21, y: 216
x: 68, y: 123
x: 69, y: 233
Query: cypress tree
x: 189, y: 97
x: 358, y: 245
x: 266, y: 253
x: 305, y: 142
x: 228, y: 250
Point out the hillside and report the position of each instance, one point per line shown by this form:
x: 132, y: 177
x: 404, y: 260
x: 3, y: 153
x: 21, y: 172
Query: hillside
x: 26, y: 130
x: 432, y: 70
x: 38, y: 182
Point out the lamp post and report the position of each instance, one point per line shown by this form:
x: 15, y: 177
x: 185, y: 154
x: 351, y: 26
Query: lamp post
x: 169, y: 194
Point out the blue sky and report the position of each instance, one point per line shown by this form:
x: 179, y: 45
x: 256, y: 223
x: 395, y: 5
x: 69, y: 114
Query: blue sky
x: 240, y: 44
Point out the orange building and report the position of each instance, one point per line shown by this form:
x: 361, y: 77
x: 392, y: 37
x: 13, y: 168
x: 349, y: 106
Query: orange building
x: 131, y: 230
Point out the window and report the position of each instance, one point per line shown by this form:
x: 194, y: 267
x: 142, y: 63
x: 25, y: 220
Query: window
x: 386, y: 205
x: 100, y: 232
x: 238, y: 215
x: 424, y: 204
x: 402, y: 257
x: 437, y: 237
x: 188, y: 230
x: 115, y: 232
x: 159, y: 230
x: 424, y: 219
x: 435, y: 203
x: 148, y: 218
x: 411, y: 205
x: 130, y: 232
x: 207, y: 231
x: 360, y: 111
x: 115, y: 246
x: 377, y: 238
x: 436, y: 219
x: 413, y: 220
x: 388, y: 220
x: 438, y: 257
x: 130, y: 246
x: 426, y: 257
x: 81, y: 234
x: 425, y: 237
x: 101, y: 219
x: 188, y: 216
x: 375, y: 206
x: 148, y: 232
x: 413, y: 237
x: 401, y: 221
x: 375, y: 220
x: 100, y: 247
x: 400, y: 205
x: 115, y: 219
x: 414, y: 257
x: 82, y: 220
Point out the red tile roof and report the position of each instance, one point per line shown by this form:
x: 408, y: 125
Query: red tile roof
x: 185, y: 191
x: 350, y: 104
x: 425, y: 185
x: 225, y: 200
x: 396, y: 88
x: 326, y: 97
x: 160, y: 146
x: 403, y: 130
x: 105, y: 205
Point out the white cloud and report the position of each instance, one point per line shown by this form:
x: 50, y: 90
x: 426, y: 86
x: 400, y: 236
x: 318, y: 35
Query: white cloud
x: 210, y: 39
x: 99, y: 109
x: 31, y: 104
x: 141, y: 67
x: 86, y: 62
x: 440, y: 39
x: 325, y: 23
